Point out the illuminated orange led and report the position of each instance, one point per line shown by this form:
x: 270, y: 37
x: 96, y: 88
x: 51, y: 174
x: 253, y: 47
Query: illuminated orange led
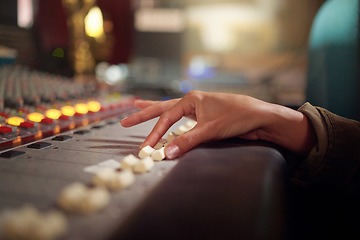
x: 56, y: 130
x: 17, y: 142
x: 85, y: 122
x: 53, y: 113
x: 68, y: 111
x: 94, y: 106
x: 81, y: 108
x: 38, y: 135
x: 15, y: 121
x: 35, y: 117
x: 72, y: 125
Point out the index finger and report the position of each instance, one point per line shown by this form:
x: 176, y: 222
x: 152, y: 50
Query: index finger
x: 149, y: 112
x: 141, y: 104
x: 167, y: 119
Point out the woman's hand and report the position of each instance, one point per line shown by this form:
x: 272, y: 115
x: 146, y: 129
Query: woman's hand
x: 221, y: 115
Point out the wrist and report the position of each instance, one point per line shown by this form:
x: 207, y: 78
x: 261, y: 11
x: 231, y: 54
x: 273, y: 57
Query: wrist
x: 290, y: 129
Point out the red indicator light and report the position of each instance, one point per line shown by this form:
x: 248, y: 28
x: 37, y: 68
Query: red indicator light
x: 4, y: 129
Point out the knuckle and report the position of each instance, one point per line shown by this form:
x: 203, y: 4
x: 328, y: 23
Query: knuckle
x: 165, y: 117
x: 139, y: 117
x: 156, y: 136
x: 190, y: 139
x: 197, y: 95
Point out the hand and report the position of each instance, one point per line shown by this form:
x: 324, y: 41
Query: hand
x: 221, y: 115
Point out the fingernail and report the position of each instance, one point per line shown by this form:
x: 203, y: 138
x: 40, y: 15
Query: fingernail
x: 122, y: 122
x: 172, y: 151
x: 144, y: 144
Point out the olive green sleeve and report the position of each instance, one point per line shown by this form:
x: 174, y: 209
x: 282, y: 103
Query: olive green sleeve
x: 336, y: 157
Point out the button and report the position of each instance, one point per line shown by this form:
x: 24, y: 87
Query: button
x: 5, y: 130
x: 5, y: 115
x: 26, y: 124
x: 61, y: 138
x: 94, y: 106
x: 41, y: 108
x: 11, y: 154
x: 39, y: 145
x: 81, y: 108
x: 35, y: 117
x: 64, y: 117
x: 47, y: 120
x: 23, y: 111
x: 53, y: 113
x: 97, y: 126
x: 15, y: 121
x: 82, y: 132
x: 68, y: 110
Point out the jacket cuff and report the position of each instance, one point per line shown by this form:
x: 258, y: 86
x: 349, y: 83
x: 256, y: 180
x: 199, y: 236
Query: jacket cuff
x: 336, y: 157
x: 311, y: 165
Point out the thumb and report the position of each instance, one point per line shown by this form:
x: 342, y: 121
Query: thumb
x: 186, y: 142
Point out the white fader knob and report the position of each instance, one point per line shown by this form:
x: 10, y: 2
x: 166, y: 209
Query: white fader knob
x: 71, y: 196
x: 52, y: 225
x: 129, y: 161
x: 171, y: 136
x: 144, y: 165
x: 158, y: 154
x: 181, y: 130
x: 125, y: 179
x: 78, y: 198
x: 114, y: 180
x: 146, y: 152
x: 160, y: 144
x: 96, y: 198
x: 28, y: 223
x: 190, y: 124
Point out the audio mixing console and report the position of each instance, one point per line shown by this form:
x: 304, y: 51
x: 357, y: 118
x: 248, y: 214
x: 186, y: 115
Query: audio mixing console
x: 55, y: 132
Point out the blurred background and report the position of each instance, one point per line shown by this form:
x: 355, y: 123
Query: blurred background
x: 165, y: 48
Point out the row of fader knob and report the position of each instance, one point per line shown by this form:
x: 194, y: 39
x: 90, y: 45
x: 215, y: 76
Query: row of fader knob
x: 21, y: 86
